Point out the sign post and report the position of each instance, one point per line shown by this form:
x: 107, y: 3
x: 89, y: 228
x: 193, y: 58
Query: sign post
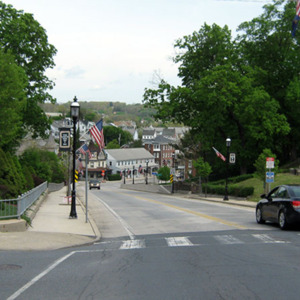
x: 270, y: 164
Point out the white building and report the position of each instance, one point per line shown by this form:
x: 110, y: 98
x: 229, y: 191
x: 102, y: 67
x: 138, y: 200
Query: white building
x: 128, y: 159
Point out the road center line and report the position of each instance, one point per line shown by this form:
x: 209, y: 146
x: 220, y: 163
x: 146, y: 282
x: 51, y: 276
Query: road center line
x: 232, y: 224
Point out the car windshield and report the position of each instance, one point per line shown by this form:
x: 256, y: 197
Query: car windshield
x: 295, y: 190
x: 94, y: 181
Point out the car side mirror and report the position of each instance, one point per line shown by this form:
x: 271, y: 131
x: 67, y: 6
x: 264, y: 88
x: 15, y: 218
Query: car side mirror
x: 263, y: 196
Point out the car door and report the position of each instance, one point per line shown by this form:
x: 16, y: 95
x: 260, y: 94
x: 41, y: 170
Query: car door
x: 268, y: 207
x: 275, y: 204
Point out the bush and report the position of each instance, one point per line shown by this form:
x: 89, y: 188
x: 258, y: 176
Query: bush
x: 114, y: 177
x: 233, y: 190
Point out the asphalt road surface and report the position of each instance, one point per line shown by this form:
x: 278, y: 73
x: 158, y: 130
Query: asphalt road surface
x: 162, y: 247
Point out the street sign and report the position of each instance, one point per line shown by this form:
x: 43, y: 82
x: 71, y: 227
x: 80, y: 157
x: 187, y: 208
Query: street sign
x: 232, y: 158
x: 269, y: 177
x: 270, y: 162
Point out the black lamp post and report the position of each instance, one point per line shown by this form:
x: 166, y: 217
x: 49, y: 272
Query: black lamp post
x: 228, y: 142
x: 75, y: 107
x: 124, y: 171
x: 133, y: 175
x: 147, y: 161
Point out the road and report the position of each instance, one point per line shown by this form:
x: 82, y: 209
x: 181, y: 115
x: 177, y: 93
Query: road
x: 162, y: 247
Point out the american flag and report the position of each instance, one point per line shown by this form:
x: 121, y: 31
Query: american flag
x: 84, y: 149
x: 296, y: 19
x: 219, y: 154
x: 97, y: 133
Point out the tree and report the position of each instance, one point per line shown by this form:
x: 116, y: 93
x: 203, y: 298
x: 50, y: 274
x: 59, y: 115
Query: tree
x: 45, y: 164
x: 266, y: 43
x: 12, y: 101
x: 221, y: 96
x: 203, y: 170
x: 164, y: 173
x: 114, y: 144
x: 23, y: 37
x: 114, y: 133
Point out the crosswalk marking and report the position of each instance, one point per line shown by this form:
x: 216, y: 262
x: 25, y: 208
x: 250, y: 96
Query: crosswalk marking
x: 185, y: 241
x: 228, y: 239
x: 178, y: 241
x: 133, y: 244
x: 267, y: 239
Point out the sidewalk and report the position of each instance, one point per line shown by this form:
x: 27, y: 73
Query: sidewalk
x: 51, y: 228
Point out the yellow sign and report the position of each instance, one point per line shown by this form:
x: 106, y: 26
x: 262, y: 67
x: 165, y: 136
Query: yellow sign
x: 171, y: 178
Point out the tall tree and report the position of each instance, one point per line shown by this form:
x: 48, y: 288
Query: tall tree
x: 22, y: 36
x: 220, y: 96
x: 266, y: 42
x: 12, y: 101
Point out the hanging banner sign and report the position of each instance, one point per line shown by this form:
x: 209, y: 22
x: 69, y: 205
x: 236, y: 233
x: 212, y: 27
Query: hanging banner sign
x: 64, y: 139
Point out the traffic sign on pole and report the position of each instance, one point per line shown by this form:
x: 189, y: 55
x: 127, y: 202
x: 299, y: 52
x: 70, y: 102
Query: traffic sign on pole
x: 270, y: 162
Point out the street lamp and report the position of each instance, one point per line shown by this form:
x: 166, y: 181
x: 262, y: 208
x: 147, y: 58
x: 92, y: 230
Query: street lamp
x: 228, y: 142
x: 147, y: 161
x: 75, y: 107
x: 133, y: 175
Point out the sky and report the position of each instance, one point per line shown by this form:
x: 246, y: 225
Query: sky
x: 112, y: 50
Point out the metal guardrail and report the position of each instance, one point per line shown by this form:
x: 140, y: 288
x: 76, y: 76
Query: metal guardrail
x: 14, y: 208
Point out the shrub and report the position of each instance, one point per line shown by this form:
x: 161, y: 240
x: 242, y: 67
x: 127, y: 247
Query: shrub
x: 113, y: 177
x: 233, y: 190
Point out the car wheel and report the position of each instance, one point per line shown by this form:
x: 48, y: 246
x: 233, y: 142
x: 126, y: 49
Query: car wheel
x: 259, y: 218
x: 282, y: 220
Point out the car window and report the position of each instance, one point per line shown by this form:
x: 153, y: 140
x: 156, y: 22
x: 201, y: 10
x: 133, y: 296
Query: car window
x: 273, y: 194
x: 296, y: 191
x: 282, y: 193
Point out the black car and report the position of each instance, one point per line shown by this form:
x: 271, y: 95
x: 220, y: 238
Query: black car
x: 94, y: 184
x: 281, y: 205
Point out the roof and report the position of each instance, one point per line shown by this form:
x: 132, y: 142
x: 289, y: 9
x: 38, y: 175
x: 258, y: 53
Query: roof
x: 159, y: 140
x: 148, y: 132
x: 129, y: 153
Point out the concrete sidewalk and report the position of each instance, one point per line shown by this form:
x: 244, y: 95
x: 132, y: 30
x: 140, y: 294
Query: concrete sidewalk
x: 51, y: 228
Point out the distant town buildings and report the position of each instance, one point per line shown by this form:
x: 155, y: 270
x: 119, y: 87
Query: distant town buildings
x: 158, y: 149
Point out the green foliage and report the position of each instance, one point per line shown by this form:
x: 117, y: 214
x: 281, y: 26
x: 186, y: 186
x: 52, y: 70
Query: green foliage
x: 12, y: 180
x: 114, y: 177
x: 260, y: 164
x: 12, y: 101
x: 113, y: 145
x: 164, y: 173
x: 233, y: 190
x: 114, y: 133
x: 203, y: 168
x: 23, y: 37
x: 245, y: 89
x: 46, y: 164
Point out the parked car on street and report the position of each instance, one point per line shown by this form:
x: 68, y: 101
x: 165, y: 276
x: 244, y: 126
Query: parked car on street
x: 94, y: 184
x: 281, y: 205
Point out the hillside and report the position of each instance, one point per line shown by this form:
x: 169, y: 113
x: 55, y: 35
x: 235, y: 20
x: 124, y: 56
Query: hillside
x: 109, y: 111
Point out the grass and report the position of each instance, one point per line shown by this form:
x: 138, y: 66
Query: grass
x: 281, y: 178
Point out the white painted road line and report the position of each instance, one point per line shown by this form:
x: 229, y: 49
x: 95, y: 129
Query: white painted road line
x: 267, y: 239
x: 38, y: 277
x: 228, y: 239
x: 133, y: 244
x: 178, y: 241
